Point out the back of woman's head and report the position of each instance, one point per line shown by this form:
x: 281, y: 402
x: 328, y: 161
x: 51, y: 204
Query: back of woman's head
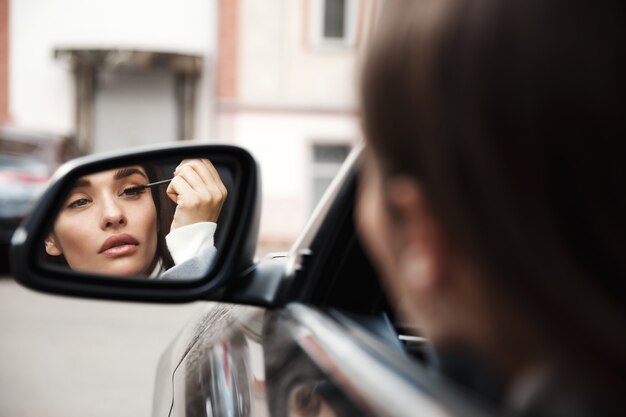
x: 510, y: 113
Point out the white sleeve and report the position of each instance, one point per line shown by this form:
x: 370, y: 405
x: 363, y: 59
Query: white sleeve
x: 186, y: 242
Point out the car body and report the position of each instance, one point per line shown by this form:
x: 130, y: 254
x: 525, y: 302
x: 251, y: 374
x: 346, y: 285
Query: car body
x: 304, y: 333
x: 27, y: 160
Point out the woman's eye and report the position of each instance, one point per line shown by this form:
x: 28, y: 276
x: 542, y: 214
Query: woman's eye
x: 80, y: 202
x: 133, y: 191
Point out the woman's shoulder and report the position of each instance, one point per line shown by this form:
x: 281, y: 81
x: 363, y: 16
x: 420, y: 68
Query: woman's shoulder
x: 193, y: 268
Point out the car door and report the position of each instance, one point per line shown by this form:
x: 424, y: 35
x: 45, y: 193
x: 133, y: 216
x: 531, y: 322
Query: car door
x: 299, y: 361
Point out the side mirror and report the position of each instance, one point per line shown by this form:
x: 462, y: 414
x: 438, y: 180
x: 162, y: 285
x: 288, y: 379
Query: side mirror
x: 167, y: 224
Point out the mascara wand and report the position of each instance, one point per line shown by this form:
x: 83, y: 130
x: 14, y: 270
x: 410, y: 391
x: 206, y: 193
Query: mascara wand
x: 137, y: 188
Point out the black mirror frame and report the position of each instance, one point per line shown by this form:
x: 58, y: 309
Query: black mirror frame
x: 240, y: 238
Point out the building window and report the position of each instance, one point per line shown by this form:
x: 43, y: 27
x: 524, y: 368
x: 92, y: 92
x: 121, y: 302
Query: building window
x: 334, y: 19
x: 333, y: 22
x: 327, y: 160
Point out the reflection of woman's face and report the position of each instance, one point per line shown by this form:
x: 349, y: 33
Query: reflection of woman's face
x: 102, y: 230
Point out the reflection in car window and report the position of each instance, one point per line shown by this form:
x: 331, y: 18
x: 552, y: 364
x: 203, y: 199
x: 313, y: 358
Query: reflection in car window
x: 296, y: 386
x: 299, y: 388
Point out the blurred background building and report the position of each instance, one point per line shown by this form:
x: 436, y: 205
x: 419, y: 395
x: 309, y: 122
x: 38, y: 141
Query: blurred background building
x: 287, y: 92
x: 277, y: 77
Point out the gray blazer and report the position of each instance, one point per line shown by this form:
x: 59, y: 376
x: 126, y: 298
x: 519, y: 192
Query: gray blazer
x: 194, y: 268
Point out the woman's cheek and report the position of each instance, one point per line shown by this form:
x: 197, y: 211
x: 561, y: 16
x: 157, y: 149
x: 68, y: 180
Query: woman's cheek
x: 66, y: 225
x: 372, y: 224
x: 75, y: 234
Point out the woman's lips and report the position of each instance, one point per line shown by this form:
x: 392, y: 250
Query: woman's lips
x: 123, y: 250
x: 119, y: 245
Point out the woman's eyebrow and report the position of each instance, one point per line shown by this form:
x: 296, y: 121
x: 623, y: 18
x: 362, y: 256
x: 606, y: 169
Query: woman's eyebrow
x: 127, y: 172
x: 81, y: 182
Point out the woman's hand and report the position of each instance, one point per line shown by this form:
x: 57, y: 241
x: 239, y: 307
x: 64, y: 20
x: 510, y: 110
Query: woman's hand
x: 197, y: 191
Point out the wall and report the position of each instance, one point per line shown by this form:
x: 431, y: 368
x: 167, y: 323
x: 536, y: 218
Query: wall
x: 282, y: 143
x: 291, y: 94
x: 42, y: 91
x: 280, y: 66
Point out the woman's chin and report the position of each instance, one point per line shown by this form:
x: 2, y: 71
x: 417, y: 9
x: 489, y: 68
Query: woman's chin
x: 118, y: 269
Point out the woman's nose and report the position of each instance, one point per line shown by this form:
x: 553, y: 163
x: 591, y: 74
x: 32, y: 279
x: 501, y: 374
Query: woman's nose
x: 112, y: 214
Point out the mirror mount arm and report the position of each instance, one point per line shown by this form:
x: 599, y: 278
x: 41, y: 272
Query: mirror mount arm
x: 262, y: 285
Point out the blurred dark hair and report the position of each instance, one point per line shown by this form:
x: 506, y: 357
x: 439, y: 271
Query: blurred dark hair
x: 510, y: 113
x: 165, y: 209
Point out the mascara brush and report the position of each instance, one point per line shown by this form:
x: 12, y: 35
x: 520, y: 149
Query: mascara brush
x: 137, y: 188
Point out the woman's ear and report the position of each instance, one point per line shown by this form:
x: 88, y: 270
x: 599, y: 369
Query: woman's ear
x: 421, y: 255
x: 52, y: 248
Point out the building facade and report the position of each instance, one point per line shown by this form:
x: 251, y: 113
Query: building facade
x: 287, y: 91
x: 277, y: 77
x: 132, y: 105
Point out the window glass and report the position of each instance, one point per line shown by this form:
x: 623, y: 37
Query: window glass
x: 295, y: 385
x: 327, y: 160
x: 334, y: 23
x: 334, y: 19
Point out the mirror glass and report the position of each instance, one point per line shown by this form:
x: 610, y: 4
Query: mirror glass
x: 157, y: 220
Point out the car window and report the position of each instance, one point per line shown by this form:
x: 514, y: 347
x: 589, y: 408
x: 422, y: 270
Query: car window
x: 296, y: 385
x: 327, y: 364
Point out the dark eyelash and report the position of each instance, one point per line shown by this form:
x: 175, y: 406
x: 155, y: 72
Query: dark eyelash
x: 75, y: 203
x: 132, y: 191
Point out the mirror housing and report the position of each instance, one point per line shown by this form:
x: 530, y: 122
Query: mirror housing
x: 238, y: 239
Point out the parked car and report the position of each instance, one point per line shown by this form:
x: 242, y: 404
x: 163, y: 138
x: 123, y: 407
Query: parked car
x: 305, y: 333
x: 27, y: 160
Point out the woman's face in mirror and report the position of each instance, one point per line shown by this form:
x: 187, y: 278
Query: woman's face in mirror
x: 102, y: 229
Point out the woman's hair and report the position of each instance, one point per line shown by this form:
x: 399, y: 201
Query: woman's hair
x: 165, y: 209
x: 510, y: 114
